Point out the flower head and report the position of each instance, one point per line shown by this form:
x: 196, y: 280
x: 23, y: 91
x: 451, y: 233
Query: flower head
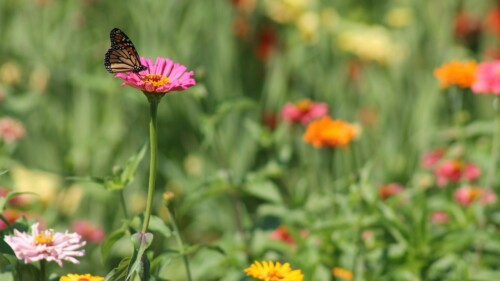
x: 269, y: 271
x: 388, y: 190
x: 303, y: 111
x: 329, y: 132
x: 11, y: 130
x: 431, y: 158
x: 281, y: 234
x: 487, y: 78
x: 454, y: 171
x: 160, y: 77
x: 460, y: 73
x: 342, y: 273
x: 46, y: 245
x: 439, y: 217
x: 467, y: 194
x: 89, y: 231
x: 81, y: 277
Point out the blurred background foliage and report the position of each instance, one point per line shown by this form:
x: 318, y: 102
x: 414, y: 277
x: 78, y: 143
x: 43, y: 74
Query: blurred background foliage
x: 237, y: 171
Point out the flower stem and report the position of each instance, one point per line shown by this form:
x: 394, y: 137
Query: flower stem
x: 42, y: 270
x: 495, y: 143
x: 178, y: 238
x: 153, y: 146
x: 123, y: 203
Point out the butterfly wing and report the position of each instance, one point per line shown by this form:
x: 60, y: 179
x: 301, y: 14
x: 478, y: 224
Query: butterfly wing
x: 122, y: 55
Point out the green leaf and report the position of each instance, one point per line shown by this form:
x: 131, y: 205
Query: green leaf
x: 264, y: 190
x: 141, y: 241
x: 10, y: 195
x: 127, y: 176
x: 111, y: 240
x: 120, y: 272
x: 6, y: 276
x: 158, y: 225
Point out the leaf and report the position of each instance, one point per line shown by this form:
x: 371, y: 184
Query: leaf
x: 158, y: 225
x: 10, y: 195
x: 111, y: 240
x: 120, y: 272
x: 127, y: 176
x: 141, y: 241
x: 6, y: 276
x: 263, y: 189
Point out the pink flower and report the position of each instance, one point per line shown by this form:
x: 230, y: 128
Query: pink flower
x: 11, y: 130
x: 432, y: 157
x: 161, y: 77
x: 439, y: 217
x: 46, y: 245
x: 89, y: 231
x: 466, y: 195
x: 454, y: 170
x: 303, y: 111
x: 387, y: 190
x: 281, y: 234
x: 11, y: 216
x: 487, y: 78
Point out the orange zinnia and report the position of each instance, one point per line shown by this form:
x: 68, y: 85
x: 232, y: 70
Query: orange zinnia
x: 460, y: 73
x: 329, y: 132
x: 342, y: 273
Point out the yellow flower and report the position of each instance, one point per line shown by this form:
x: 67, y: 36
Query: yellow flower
x: 399, y: 17
x: 329, y: 132
x: 308, y: 24
x: 460, y: 73
x: 340, y: 272
x: 268, y: 271
x: 78, y: 277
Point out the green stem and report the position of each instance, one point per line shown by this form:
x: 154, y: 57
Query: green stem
x: 153, y: 144
x: 43, y: 269
x: 178, y: 239
x: 495, y: 147
x: 123, y: 203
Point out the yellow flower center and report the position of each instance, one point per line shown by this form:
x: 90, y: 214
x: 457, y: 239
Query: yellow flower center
x: 304, y: 105
x: 46, y: 238
x: 273, y: 276
x: 156, y: 79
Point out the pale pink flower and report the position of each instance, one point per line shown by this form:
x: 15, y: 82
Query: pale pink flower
x: 387, y: 190
x: 430, y: 159
x: 160, y: 77
x: 439, y: 217
x: 454, y: 171
x: 303, y: 111
x: 11, y: 130
x: 89, y: 231
x: 46, y: 245
x: 466, y: 195
x: 487, y: 78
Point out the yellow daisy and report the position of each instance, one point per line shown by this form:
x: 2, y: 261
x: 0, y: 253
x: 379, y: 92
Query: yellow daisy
x: 269, y: 271
x: 78, y: 277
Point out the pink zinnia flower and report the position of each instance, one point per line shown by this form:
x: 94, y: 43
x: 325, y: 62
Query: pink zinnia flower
x: 454, y: 170
x: 11, y: 130
x: 388, y: 190
x: 487, y: 78
x: 466, y: 195
x: 46, y: 245
x: 89, y: 231
x: 160, y: 77
x: 281, y: 234
x: 303, y: 111
x: 432, y: 157
x: 439, y: 217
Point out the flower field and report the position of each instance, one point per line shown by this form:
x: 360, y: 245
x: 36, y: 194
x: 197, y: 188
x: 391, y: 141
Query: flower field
x: 231, y: 140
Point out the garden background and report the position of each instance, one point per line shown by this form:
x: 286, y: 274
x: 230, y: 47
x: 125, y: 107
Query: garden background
x: 241, y: 180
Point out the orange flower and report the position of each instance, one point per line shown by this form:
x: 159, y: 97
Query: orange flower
x: 342, y: 273
x: 460, y: 73
x: 329, y: 132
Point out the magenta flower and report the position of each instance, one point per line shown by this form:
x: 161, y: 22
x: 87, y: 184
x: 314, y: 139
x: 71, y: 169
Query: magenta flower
x: 46, y: 245
x: 466, y: 195
x: 161, y: 77
x: 89, y: 231
x: 303, y: 111
x: 430, y: 159
x: 439, y: 217
x: 11, y: 130
x: 454, y: 171
x: 487, y: 78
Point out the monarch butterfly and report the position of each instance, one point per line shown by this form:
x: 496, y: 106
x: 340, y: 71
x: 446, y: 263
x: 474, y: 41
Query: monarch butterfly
x: 122, y: 56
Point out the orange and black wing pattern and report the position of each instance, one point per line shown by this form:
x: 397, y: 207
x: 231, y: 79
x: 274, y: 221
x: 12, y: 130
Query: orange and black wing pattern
x: 122, y: 56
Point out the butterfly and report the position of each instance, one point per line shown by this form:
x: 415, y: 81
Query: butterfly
x: 122, y: 56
